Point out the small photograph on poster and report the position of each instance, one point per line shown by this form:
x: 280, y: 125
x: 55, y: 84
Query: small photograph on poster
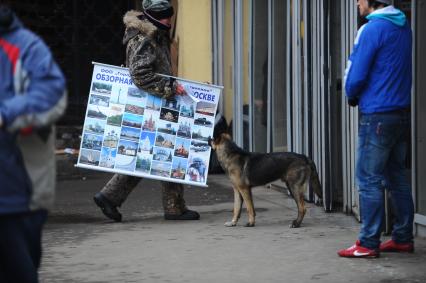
x: 136, y: 95
x: 146, y: 143
x: 98, y: 112
x: 160, y: 169
x: 94, y: 126
x: 169, y: 115
x: 199, y: 147
x: 171, y: 103
x: 108, y: 157
x: 202, y: 120
x: 187, y: 111
x: 167, y: 127
x: 165, y: 140
x: 92, y: 142
x: 182, y: 148
x: 205, y: 108
x: 132, y: 120
x: 118, y: 95
x: 111, y: 136
x: 115, y: 115
x: 125, y: 162
x: 185, y: 125
x: 197, y: 169
x: 179, y: 168
x: 143, y: 163
x: 150, y: 118
x: 128, y: 148
x: 131, y: 134
x: 162, y: 154
x: 153, y: 103
x: 201, y: 133
x: 134, y: 108
x: 101, y: 88
x: 187, y: 99
x: 99, y: 100
x: 89, y: 157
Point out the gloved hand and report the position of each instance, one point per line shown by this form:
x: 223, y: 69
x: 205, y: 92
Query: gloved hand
x: 353, y: 102
x: 180, y: 90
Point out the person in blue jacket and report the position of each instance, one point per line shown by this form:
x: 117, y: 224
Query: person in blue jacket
x: 378, y: 80
x: 32, y: 97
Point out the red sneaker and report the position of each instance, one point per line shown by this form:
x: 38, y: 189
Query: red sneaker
x: 358, y: 251
x: 392, y: 246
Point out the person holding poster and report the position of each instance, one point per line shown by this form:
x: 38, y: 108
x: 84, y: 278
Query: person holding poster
x: 32, y: 98
x: 147, y: 43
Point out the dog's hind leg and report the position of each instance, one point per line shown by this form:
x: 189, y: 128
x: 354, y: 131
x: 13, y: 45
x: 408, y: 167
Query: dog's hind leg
x: 298, y: 195
x: 238, y: 203
x: 248, y: 199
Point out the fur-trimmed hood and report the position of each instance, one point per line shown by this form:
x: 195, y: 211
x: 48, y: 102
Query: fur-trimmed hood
x: 134, y: 22
x: 148, y: 54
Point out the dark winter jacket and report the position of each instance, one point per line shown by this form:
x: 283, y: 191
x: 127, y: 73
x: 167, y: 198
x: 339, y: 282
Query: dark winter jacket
x: 32, y: 97
x: 148, y: 55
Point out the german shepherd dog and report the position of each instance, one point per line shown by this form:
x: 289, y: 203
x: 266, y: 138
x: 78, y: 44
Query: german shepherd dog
x: 247, y: 170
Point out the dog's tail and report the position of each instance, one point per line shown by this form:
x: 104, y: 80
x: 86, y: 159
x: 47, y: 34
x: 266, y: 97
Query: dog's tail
x: 314, y: 181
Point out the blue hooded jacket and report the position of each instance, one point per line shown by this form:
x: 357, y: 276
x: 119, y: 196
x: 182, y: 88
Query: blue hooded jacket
x: 32, y: 96
x: 379, y: 69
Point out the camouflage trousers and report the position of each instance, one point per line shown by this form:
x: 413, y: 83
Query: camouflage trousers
x: 120, y: 186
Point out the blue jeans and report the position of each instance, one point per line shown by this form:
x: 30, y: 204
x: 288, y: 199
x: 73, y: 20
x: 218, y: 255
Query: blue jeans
x: 382, y: 151
x: 20, y: 246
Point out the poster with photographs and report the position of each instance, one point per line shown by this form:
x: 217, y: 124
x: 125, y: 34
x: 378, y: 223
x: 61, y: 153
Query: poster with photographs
x: 129, y: 131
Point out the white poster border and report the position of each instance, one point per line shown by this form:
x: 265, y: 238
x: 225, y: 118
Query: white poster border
x: 132, y: 173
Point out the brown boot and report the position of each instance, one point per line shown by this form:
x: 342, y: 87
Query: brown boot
x: 174, y: 203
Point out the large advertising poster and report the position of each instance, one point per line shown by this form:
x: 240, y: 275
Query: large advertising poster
x: 132, y: 132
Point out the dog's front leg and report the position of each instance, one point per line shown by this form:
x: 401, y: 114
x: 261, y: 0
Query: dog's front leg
x: 248, y: 199
x: 238, y: 203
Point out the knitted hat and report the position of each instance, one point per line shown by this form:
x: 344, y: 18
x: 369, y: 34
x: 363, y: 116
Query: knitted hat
x: 6, y: 16
x: 158, y: 9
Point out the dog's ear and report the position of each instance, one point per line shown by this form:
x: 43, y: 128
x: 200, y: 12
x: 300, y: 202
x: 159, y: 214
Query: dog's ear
x: 221, y: 126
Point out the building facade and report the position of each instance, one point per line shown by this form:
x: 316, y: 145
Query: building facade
x: 282, y: 65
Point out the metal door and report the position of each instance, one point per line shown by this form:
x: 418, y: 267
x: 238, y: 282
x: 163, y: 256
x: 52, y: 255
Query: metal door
x: 349, y: 115
x: 419, y: 115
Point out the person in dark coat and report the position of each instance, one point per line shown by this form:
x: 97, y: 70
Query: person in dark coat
x: 147, y: 43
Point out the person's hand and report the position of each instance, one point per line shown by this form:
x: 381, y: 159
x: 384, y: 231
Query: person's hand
x: 353, y: 102
x: 180, y: 90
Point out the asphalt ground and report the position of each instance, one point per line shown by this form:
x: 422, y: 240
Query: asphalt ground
x: 81, y: 245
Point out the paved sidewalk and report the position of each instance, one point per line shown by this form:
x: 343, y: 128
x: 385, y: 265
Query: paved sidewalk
x: 80, y: 245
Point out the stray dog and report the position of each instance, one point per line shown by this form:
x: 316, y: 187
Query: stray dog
x: 247, y: 170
